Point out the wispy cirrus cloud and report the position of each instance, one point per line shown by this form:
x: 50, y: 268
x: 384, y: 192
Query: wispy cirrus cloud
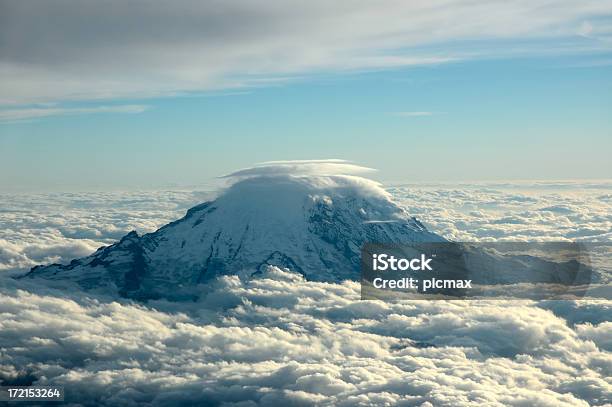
x: 414, y: 114
x: 70, y: 50
x: 28, y: 113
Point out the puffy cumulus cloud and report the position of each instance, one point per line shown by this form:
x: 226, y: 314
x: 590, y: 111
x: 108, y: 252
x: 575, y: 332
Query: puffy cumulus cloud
x: 600, y: 334
x: 279, y: 340
x: 46, y: 250
x: 112, y: 49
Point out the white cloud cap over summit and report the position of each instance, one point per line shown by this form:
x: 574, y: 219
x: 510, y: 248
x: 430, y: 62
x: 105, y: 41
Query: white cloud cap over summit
x: 298, y: 168
x: 316, y: 175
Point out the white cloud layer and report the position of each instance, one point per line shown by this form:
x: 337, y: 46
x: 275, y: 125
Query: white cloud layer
x: 67, y: 49
x: 547, y: 211
x: 279, y: 340
x: 46, y: 228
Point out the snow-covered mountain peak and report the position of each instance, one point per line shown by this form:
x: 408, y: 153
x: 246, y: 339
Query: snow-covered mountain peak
x: 311, y: 217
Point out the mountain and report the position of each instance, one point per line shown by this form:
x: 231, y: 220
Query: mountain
x: 308, y: 217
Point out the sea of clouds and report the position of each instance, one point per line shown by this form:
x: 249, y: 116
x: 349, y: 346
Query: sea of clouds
x: 47, y: 228
x: 525, y: 211
x: 280, y: 340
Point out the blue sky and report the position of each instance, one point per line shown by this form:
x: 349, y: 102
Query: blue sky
x: 524, y: 107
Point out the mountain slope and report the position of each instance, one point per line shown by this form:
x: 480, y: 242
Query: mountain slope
x: 307, y: 219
